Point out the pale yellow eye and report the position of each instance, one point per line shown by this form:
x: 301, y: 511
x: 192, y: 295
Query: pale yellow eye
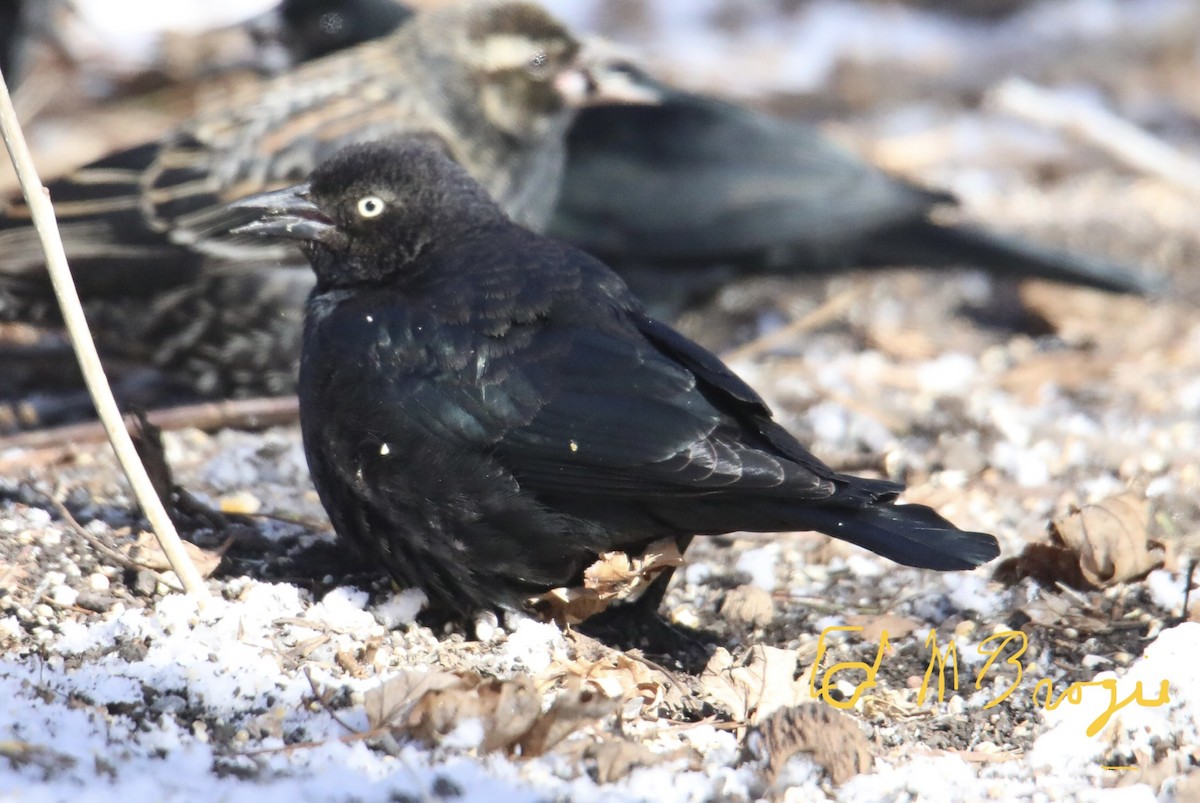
x: 371, y: 206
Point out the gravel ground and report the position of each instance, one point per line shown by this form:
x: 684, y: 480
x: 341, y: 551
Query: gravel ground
x: 310, y: 678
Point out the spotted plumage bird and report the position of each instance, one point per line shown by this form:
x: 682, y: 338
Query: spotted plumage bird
x: 495, y: 83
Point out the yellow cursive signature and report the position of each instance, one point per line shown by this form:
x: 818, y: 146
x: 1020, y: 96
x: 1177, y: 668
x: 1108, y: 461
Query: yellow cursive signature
x: 1043, y: 692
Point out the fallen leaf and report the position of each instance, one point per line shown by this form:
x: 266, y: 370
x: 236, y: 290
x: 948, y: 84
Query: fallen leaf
x: 1047, y: 564
x: 610, y: 759
x: 1112, y: 540
x: 614, y: 758
x: 614, y: 577
x: 832, y: 739
x: 147, y: 552
x: 897, y: 627
x: 431, y: 705
x: 749, y: 604
x: 621, y: 677
x: 1091, y: 547
x: 1072, y: 371
x: 242, y: 503
x: 25, y: 755
x: 573, y: 707
x: 762, y: 683
x: 387, y: 703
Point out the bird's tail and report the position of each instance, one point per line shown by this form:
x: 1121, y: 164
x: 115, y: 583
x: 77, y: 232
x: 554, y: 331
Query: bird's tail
x: 929, y: 243
x: 913, y: 535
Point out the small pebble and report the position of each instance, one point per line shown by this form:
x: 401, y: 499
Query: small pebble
x: 242, y: 503
x: 685, y: 617
x: 92, y: 601
x: 486, y: 626
x: 98, y: 582
x: 200, y: 731
x: 144, y: 583
x: 65, y: 595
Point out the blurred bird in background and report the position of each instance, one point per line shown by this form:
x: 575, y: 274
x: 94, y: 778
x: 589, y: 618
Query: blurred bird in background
x: 494, y: 83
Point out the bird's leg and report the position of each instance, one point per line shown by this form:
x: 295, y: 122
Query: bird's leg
x: 652, y: 597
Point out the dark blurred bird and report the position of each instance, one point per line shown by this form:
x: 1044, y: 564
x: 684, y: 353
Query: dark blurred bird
x: 684, y: 195
x: 495, y: 83
x: 485, y: 410
x: 314, y: 28
x: 11, y: 34
x: 183, y: 42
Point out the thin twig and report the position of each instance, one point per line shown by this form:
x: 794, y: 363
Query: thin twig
x: 1187, y: 586
x: 38, y: 199
x: 1118, y: 137
x: 103, y: 548
x: 831, y: 310
x: 209, y: 416
x: 324, y: 703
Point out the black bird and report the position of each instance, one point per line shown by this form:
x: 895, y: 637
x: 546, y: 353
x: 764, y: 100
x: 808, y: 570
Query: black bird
x: 686, y: 194
x: 11, y: 33
x: 313, y: 28
x: 494, y: 82
x: 484, y: 409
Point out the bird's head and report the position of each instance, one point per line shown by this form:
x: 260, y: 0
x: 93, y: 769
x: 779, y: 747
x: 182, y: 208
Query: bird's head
x: 520, y: 67
x: 367, y: 213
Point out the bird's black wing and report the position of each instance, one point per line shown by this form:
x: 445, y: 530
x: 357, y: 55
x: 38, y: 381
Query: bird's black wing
x: 629, y: 408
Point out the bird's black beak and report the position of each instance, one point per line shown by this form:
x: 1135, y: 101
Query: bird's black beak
x: 290, y: 215
x: 602, y: 74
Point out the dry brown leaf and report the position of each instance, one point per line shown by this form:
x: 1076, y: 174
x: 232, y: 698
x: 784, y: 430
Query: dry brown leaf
x: 573, y: 708
x: 612, y: 578
x: 1071, y: 371
x: 897, y: 627
x: 1091, y: 547
x: 1080, y: 315
x: 387, y: 703
x: 615, y: 758
x: 907, y: 345
x: 1188, y: 787
x: 611, y: 759
x: 431, y: 705
x: 1047, y: 564
x: 1111, y: 538
x: 505, y: 709
x: 832, y: 738
x: 147, y: 552
x: 621, y: 677
x: 762, y: 683
x: 749, y: 604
